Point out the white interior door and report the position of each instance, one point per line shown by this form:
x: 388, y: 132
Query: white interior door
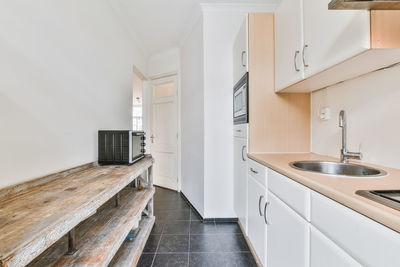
x: 164, y: 132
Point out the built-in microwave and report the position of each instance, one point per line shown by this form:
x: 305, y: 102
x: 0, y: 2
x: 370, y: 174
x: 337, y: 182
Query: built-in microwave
x: 240, y: 101
x: 121, y: 147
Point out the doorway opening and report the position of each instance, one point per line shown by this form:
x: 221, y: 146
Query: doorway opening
x: 137, y: 102
x: 164, y: 137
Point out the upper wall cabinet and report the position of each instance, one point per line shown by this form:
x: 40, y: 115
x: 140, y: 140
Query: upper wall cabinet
x: 330, y: 37
x: 317, y: 47
x: 288, y: 43
x: 240, y: 53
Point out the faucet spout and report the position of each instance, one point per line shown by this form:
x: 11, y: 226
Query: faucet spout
x: 344, y: 154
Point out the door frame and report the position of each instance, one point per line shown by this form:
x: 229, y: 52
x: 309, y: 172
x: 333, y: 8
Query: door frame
x: 170, y: 77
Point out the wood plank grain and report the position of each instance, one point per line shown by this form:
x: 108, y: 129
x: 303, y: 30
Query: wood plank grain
x: 51, y: 255
x: 277, y: 122
x: 129, y: 253
x: 385, y: 28
x: 32, y: 221
x: 99, y: 245
x: 14, y: 190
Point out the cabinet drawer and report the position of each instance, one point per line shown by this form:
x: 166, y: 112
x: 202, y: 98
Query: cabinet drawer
x: 323, y: 252
x: 258, y: 171
x: 240, y: 130
x: 292, y: 193
x: 367, y: 241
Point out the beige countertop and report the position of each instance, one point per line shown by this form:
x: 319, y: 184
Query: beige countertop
x: 338, y: 188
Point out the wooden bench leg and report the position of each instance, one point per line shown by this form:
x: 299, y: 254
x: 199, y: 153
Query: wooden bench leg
x: 71, y: 242
x: 117, y: 200
x: 150, y: 176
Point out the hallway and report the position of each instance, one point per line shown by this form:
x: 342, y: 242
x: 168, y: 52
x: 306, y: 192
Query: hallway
x: 180, y: 238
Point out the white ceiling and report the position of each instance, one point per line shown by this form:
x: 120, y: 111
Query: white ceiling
x: 160, y: 24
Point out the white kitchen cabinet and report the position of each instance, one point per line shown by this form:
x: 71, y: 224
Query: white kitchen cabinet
x: 257, y: 227
x: 240, y: 180
x: 332, y: 36
x: 323, y: 252
x: 288, y: 236
x: 309, y: 39
x: 240, y: 53
x: 288, y: 43
x: 295, y: 195
x: 367, y: 241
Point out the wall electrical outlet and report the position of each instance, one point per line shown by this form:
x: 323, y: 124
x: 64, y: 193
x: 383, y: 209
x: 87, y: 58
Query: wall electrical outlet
x: 324, y: 113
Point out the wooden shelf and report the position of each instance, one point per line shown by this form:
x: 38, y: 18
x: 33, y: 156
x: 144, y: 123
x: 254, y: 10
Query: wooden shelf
x: 100, y: 237
x: 109, y: 231
x: 32, y: 221
x: 363, y: 63
x: 368, y: 5
x: 129, y: 253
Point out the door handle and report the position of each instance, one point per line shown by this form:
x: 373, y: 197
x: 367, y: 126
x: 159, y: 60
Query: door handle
x: 152, y: 138
x: 304, y: 56
x: 243, y: 148
x: 253, y: 171
x: 243, y: 53
x: 296, y: 54
x: 259, y: 205
x: 265, y: 213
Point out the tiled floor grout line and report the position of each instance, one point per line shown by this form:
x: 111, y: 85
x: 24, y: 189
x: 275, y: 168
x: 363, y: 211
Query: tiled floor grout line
x: 172, y: 226
x: 190, y: 228
x: 158, y: 244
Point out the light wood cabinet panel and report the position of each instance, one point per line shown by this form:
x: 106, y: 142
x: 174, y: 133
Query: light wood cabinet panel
x: 385, y: 28
x: 277, y: 123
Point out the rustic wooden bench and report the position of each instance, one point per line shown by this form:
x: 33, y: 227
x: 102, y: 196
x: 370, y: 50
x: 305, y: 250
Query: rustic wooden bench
x: 79, y: 217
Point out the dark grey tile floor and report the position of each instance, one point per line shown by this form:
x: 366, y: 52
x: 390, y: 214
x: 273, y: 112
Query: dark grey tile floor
x: 180, y: 238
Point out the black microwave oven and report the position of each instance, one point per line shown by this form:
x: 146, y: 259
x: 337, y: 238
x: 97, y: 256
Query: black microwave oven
x: 121, y: 147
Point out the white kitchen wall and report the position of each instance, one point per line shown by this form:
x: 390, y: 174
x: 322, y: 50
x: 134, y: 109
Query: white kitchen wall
x: 192, y: 117
x: 164, y: 63
x: 372, y: 103
x: 66, y: 72
x: 220, y: 30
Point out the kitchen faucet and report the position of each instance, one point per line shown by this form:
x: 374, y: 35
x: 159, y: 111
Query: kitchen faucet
x: 344, y: 154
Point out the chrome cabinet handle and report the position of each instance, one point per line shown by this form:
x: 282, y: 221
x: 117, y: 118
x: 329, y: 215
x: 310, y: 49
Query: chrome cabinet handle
x: 253, y: 171
x: 296, y: 54
x: 265, y: 213
x: 243, y: 148
x: 259, y: 205
x: 304, y: 56
x: 243, y: 53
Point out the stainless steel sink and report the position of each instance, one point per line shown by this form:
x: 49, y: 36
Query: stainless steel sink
x: 338, y: 168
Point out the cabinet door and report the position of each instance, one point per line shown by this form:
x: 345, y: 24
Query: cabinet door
x: 326, y: 253
x: 240, y: 180
x: 257, y: 227
x: 288, y: 236
x: 332, y: 36
x: 240, y: 53
x: 288, y: 43
x: 371, y: 243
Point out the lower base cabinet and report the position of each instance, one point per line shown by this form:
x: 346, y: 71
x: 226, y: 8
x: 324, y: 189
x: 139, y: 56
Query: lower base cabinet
x: 257, y: 228
x: 327, y: 254
x: 290, y: 225
x: 288, y: 236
